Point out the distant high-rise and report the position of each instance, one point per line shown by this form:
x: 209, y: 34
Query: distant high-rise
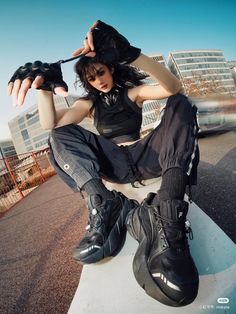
x: 7, y: 148
x: 202, y: 68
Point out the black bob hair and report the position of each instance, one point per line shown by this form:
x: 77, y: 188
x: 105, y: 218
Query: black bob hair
x: 123, y: 75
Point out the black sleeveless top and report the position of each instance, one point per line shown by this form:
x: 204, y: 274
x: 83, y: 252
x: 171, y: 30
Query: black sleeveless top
x: 117, y: 117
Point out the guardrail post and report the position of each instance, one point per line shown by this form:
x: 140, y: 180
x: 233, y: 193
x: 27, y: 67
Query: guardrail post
x: 13, y: 177
x: 38, y: 167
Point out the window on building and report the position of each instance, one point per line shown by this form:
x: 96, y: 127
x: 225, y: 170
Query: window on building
x: 33, y: 120
x: 21, y: 120
x: 22, y: 126
x: 40, y: 137
x: 31, y: 114
x: 25, y: 135
x: 8, y: 149
x: 29, y: 148
x: 27, y: 143
x: 41, y: 143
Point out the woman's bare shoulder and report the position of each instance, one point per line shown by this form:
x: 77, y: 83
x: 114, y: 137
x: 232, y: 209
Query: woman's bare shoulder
x: 83, y: 103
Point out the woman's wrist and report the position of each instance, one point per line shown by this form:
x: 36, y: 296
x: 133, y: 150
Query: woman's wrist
x: 45, y: 94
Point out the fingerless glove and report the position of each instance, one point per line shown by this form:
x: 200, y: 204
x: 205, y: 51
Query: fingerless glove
x: 111, y: 46
x: 51, y: 73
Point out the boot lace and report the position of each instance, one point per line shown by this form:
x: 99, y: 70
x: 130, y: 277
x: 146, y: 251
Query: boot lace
x: 170, y: 226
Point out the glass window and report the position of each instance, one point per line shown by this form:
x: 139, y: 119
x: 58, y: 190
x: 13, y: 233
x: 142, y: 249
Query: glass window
x: 21, y: 120
x: 31, y: 114
x: 29, y: 148
x: 39, y: 137
x: 27, y: 143
x: 41, y: 143
x: 8, y: 149
x: 33, y: 120
x: 22, y: 126
x: 25, y: 134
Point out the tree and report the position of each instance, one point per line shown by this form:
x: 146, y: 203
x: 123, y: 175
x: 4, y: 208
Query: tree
x: 199, y: 86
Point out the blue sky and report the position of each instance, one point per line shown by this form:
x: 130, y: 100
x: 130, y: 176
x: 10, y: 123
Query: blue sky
x: 52, y: 30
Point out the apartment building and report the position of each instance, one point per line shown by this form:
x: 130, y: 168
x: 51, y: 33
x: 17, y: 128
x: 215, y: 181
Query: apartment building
x: 193, y: 67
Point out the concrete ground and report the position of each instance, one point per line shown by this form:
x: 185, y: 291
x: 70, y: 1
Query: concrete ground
x: 37, y: 271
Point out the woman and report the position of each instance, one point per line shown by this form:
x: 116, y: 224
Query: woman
x: 163, y: 265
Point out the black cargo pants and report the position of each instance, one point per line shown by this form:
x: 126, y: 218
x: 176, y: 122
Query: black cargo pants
x: 79, y: 155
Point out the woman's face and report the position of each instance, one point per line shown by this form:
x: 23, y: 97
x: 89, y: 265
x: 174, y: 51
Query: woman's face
x: 100, y: 77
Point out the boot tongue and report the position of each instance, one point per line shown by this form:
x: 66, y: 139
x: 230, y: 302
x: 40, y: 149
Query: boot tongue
x: 173, y: 213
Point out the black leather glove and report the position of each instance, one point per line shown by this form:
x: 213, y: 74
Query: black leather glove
x: 51, y: 73
x: 111, y: 46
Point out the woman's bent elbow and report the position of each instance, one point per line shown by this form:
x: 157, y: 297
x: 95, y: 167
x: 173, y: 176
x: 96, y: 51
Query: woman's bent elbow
x: 178, y: 88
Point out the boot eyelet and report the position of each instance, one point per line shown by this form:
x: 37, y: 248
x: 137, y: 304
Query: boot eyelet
x: 66, y: 166
x: 94, y: 211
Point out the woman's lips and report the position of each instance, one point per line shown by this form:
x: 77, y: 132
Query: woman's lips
x: 104, y: 86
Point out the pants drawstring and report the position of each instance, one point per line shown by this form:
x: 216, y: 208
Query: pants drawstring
x: 134, y: 174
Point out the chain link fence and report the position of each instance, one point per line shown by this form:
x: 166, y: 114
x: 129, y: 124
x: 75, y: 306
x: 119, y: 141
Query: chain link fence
x: 20, y: 174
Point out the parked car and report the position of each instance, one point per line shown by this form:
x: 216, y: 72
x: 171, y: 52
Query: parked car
x: 215, y: 113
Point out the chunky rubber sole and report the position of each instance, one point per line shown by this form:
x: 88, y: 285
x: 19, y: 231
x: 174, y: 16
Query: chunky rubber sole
x: 114, y: 242
x: 140, y: 266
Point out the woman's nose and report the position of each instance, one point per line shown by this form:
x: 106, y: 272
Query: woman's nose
x: 99, y: 79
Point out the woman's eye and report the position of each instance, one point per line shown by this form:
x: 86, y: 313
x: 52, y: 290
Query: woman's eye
x: 101, y: 73
x: 91, y: 79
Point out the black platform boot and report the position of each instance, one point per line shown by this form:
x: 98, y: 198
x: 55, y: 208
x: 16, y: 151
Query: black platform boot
x: 106, y: 230
x: 163, y: 265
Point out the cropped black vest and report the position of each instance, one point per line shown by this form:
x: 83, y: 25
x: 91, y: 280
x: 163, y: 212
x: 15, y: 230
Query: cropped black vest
x: 118, y: 119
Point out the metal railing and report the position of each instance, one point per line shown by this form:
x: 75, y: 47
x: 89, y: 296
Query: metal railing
x: 20, y: 174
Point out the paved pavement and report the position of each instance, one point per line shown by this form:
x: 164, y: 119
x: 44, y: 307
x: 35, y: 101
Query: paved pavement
x: 38, y: 274
x: 215, y: 193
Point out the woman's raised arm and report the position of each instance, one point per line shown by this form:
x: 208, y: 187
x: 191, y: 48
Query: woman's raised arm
x: 159, y: 73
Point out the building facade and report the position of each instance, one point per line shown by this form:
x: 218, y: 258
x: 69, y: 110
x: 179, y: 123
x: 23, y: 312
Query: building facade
x: 232, y: 67
x: 7, y: 149
x: 151, y: 109
x: 201, y: 68
x: 26, y: 132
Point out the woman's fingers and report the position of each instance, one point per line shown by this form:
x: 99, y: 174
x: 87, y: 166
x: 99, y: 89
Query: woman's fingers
x: 25, y: 86
x: 10, y: 88
x: 18, y: 89
x: 91, y: 54
x: 37, y: 82
x: 90, y: 40
x: 77, y: 52
x: 15, y: 90
x: 86, y: 47
x: 88, y: 44
x: 94, y: 25
x: 82, y: 50
x: 61, y: 91
x: 86, y: 50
